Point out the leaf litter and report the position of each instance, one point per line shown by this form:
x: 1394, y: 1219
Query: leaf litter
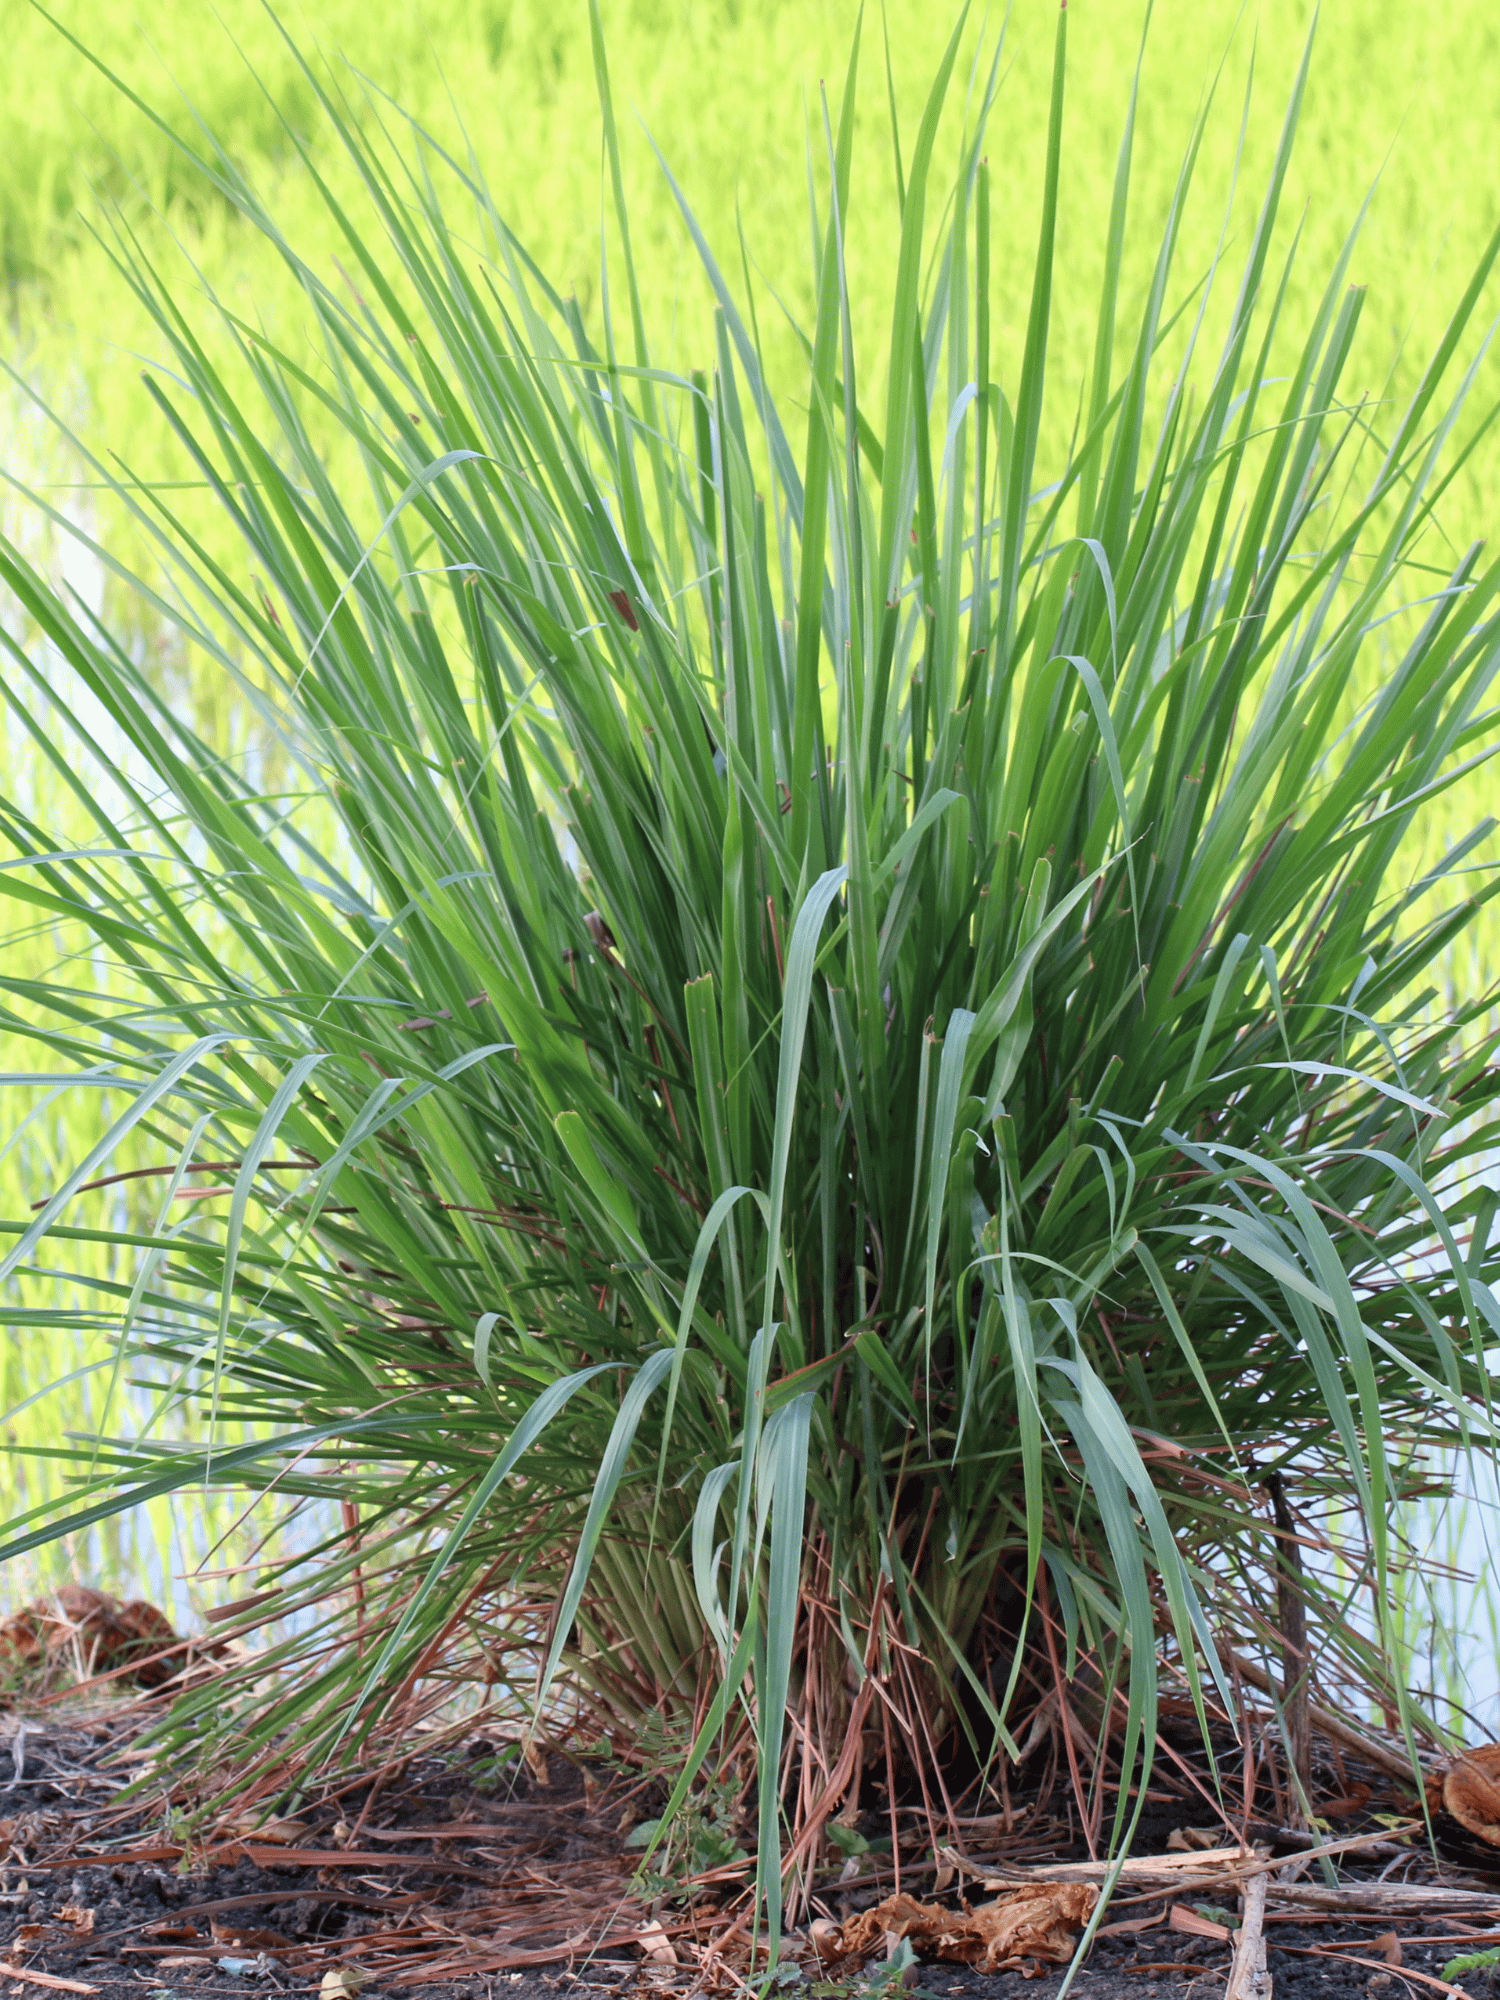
x: 472, y: 1875
x: 1041, y: 1922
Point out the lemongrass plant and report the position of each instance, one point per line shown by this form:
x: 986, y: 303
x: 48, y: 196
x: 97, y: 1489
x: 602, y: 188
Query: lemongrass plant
x: 817, y: 1036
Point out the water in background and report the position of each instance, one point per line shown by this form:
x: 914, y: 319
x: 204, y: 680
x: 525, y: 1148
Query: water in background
x: 1450, y: 1601
x: 183, y: 1552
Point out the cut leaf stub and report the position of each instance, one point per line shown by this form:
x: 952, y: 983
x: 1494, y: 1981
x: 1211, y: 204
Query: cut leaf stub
x: 1035, y: 1922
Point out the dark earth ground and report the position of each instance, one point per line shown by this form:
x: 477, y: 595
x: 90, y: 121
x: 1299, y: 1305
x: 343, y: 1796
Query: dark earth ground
x: 467, y: 1879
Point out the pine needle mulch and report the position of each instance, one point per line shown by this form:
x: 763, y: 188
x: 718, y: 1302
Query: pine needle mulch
x: 467, y: 1865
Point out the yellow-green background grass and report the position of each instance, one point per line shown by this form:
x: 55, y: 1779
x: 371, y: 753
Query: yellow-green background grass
x: 1399, y: 91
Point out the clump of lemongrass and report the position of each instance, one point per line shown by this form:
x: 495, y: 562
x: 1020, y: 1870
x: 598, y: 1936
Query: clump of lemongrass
x: 846, y: 1038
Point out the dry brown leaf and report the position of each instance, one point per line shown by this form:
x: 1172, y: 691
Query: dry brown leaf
x: 1183, y: 1917
x: 343, y: 1982
x: 656, y: 1946
x: 80, y: 1916
x: 242, y: 1938
x: 22, y: 1637
x: 1354, y: 1801
x: 282, y: 1832
x: 824, y: 1935
x: 101, y: 1632
x: 1388, y: 1946
x: 1038, y: 1922
x: 1471, y: 1792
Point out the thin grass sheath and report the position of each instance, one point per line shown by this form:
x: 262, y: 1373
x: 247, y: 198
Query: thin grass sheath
x: 818, y: 1040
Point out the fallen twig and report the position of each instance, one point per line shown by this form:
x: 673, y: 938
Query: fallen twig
x: 1378, y: 1846
x: 333, y: 1857
x: 1392, y: 1898
x: 1167, y: 1870
x: 1248, y: 1978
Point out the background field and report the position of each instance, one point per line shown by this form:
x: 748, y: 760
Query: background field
x: 729, y: 91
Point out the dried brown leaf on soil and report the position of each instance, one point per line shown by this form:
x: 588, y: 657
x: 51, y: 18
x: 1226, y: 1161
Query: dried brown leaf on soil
x: 1182, y: 1917
x: 95, y: 1630
x: 656, y: 1946
x: 1037, y: 1922
x: 1471, y: 1792
x: 244, y: 1938
x: 280, y: 1832
x: 343, y: 1982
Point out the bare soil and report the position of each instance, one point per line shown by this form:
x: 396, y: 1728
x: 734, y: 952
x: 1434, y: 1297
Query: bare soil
x: 472, y: 1881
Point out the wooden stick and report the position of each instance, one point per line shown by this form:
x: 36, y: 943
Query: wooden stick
x: 1248, y: 1978
x: 1393, y: 1899
x: 1184, y: 1871
x: 1170, y: 1869
x: 1291, y: 1614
